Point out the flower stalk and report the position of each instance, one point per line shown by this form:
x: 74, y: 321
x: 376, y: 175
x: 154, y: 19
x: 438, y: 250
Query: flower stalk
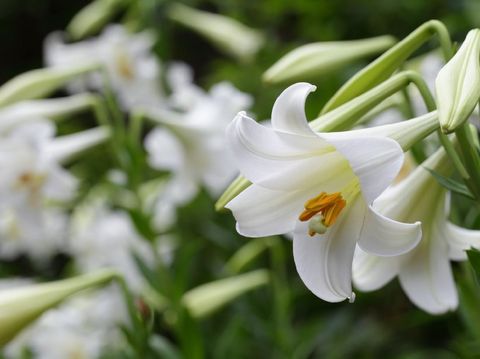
x: 380, y: 69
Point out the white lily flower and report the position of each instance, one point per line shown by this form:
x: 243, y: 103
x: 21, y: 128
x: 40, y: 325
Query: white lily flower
x: 31, y: 179
x: 103, y: 238
x: 132, y: 68
x: 318, y: 185
x: 192, y: 144
x: 424, y: 273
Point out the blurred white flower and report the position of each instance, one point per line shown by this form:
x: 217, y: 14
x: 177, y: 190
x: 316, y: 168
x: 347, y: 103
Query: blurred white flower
x: 191, y: 141
x: 424, y: 273
x: 31, y: 181
x: 101, y: 237
x: 319, y: 186
x: 82, y: 328
x: 131, y: 66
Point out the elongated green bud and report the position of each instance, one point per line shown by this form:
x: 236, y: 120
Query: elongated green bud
x: 458, y: 84
x: 40, y: 83
x: 207, y: 298
x: 322, y: 57
x: 21, y: 306
x: 227, y: 34
x: 93, y: 17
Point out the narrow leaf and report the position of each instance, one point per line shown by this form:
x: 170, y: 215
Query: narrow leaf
x: 451, y: 184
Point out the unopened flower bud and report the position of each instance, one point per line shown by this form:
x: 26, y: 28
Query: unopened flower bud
x: 322, y: 57
x: 458, y: 84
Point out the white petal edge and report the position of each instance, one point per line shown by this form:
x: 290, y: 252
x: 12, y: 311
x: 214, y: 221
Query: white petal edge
x: 427, y: 278
x: 460, y: 239
x: 324, y: 263
x: 288, y: 113
x: 165, y: 150
x: 260, y: 152
x: 372, y: 272
x: 386, y: 237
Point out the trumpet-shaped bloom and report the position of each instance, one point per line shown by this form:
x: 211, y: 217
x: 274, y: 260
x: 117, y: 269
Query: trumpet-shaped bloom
x: 103, y: 238
x: 133, y: 70
x: 31, y: 180
x: 318, y: 186
x: 424, y: 273
x: 191, y: 143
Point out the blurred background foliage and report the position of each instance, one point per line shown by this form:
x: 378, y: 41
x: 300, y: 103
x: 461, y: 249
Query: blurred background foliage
x: 283, y: 320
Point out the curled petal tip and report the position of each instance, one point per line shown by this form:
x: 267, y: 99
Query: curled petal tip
x: 352, y: 297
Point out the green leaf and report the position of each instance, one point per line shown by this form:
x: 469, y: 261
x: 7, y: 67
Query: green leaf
x: 451, y: 184
x: 474, y: 259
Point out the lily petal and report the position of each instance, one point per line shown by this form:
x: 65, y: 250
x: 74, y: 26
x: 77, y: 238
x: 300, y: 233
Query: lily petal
x: 262, y: 212
x: 372, y: 272
x: 165, y: 151
x: 325, y: 262
x: 460, y: 239
x: 427, y: 278
x: 375, y: 160
x: 288, y: 113
x: 383, y: 236
x: 261, y: 151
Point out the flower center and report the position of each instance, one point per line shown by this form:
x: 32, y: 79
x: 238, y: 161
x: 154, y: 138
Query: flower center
x: 322, y: 211
x: 30, y: 180
x: 32, y: 183
x: 124, y: 66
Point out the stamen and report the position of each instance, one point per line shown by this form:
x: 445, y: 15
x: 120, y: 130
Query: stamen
x: 322, y: 211
x: 124, y: 66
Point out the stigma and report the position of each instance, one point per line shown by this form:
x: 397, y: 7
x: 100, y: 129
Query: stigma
x: 322, y: 211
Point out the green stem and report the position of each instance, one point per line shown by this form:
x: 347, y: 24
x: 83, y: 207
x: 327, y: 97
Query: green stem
x: 471, y: 157
x: 444, y: 39
x: 347, y: 115
x: 386, y: 64
x: 452, y: 153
